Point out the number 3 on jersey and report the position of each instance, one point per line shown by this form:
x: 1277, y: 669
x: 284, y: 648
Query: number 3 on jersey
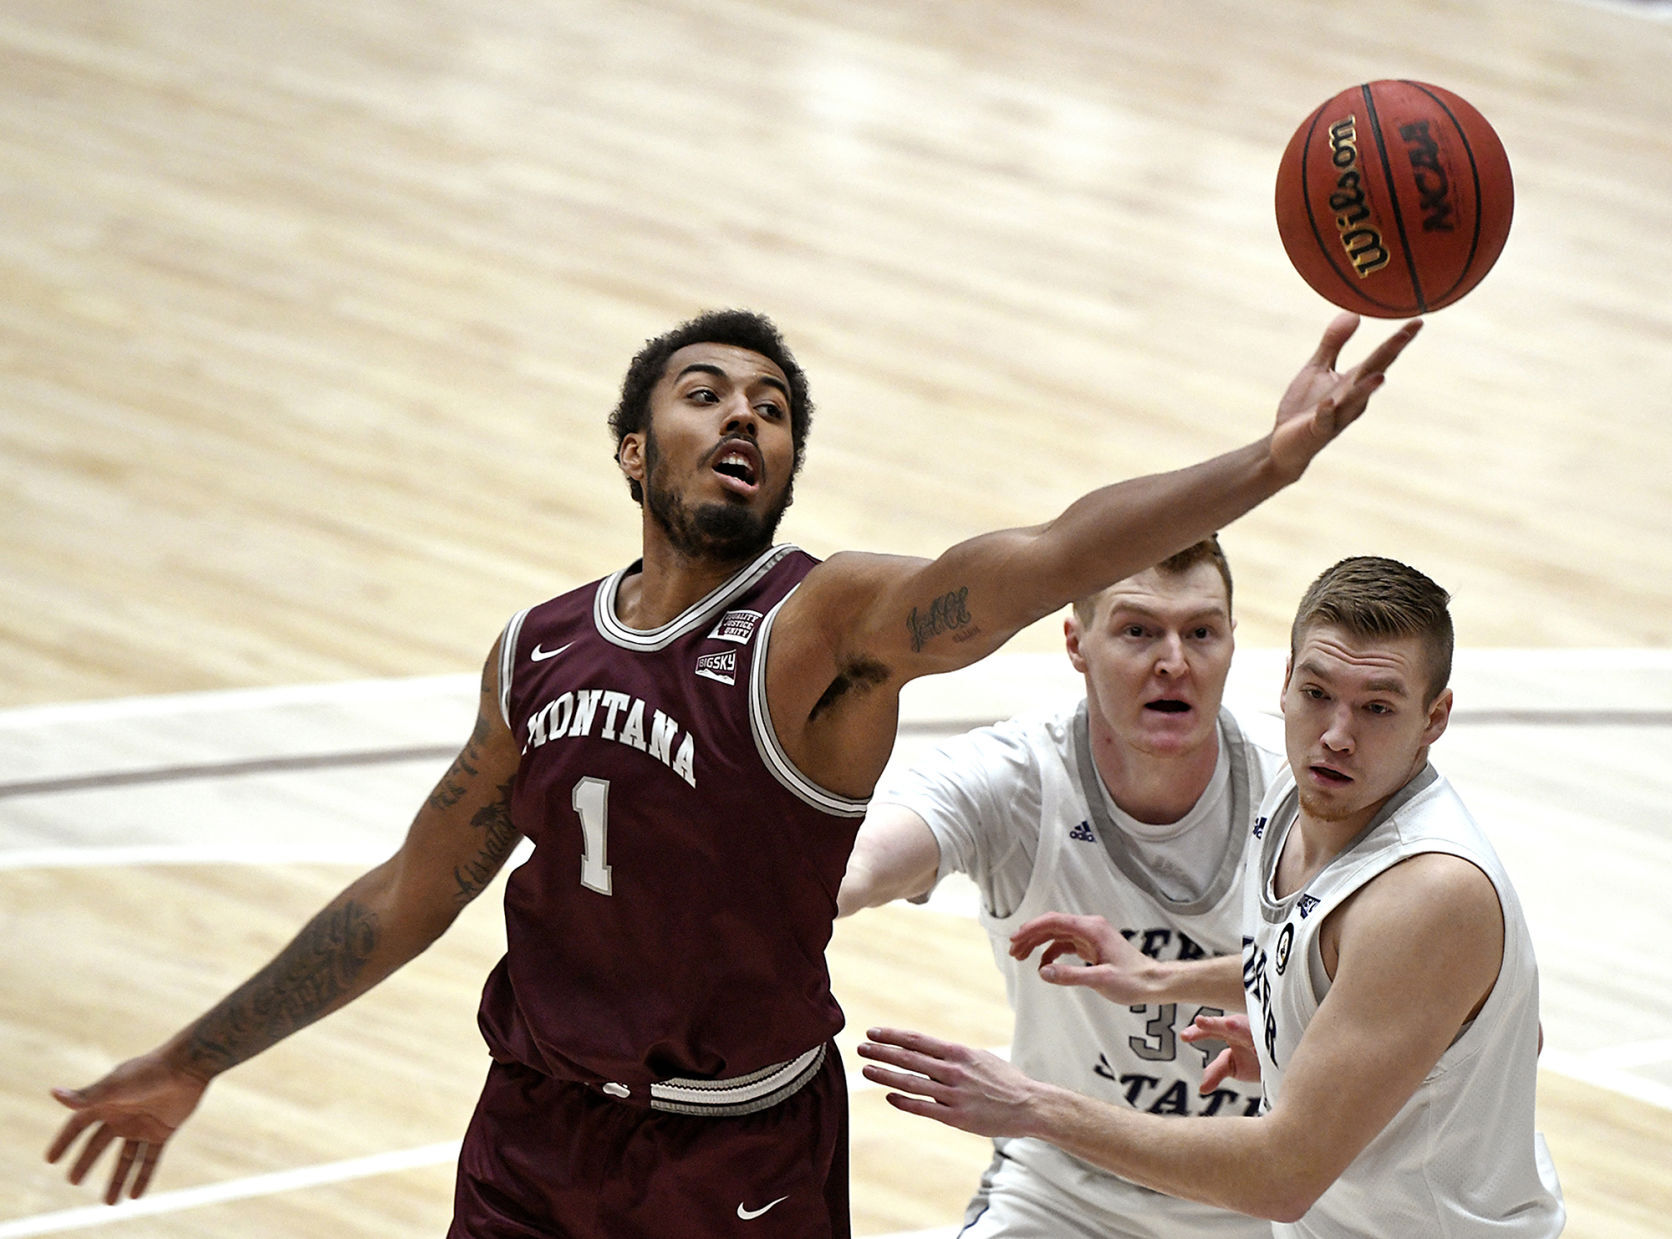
x: 592, y: 803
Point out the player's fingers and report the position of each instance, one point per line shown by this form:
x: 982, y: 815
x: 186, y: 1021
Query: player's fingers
x: 1091, y: 975
x: 96, y: 1144
x: 885, y: 1042
x: 1385, y: 353
x: 1061, y: 947
x: 131, y: 1149
x: 904, y: 1080
x: 147, y: 1167
x: 1048, y: 926
x: 1207, y: 1027
x: 1352, y: 403
x: 1215, y: 1073
x: 1339, y: 331
x: 72, y: 1128
x: 920, y: 1106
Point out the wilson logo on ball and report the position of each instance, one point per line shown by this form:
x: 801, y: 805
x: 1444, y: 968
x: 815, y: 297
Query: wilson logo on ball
x: 1359, y: 236
x: 1394, y: 198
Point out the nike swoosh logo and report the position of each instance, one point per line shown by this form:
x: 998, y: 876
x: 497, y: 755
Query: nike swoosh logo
x: 539, y: 655
x: 748, y: 1214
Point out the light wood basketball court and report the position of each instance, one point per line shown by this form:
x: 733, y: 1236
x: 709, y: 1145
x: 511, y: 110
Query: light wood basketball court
x: 312, y: 316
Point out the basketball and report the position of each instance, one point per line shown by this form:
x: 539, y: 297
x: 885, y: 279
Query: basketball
x: 1394, y: 198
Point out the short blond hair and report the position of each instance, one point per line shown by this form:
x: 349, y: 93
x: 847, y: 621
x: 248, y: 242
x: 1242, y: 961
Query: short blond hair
x: 1368, y: 596
x: 1207, y: 550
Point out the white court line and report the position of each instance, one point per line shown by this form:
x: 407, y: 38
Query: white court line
x: 188, y: 854
x: 235, y: 1189
x: 1600, y: 1071
x: 1635, y: 1054
x: 228, y: 700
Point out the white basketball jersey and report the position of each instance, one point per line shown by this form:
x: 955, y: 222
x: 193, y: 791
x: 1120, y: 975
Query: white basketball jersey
x: 1461, y: 1158
x: 991, y: 794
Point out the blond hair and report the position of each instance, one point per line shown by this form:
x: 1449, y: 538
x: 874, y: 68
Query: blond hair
x: 1206, y: 551
x: 1368, y: 596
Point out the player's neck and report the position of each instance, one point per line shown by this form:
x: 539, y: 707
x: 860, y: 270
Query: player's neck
x: 670, y: 582
x: 1156, y: 789
x: 1312, y: 843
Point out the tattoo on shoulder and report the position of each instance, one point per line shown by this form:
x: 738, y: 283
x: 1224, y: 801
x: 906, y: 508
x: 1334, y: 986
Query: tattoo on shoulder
x: 947, y: 613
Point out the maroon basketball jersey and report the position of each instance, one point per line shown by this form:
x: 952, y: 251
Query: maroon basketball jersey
x: 673, y: 917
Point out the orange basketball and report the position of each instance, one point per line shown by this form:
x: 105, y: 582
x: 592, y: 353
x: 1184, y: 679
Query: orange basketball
x: 1394, y: 198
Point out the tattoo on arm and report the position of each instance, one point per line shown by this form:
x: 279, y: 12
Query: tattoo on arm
x: 945, y: 614
x: 453, y: 785
x: 499, y: 837
x: 319, y: 968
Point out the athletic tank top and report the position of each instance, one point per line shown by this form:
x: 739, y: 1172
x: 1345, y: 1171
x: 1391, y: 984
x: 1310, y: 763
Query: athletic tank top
x: 1461, y: 1158
x: 1034, y: 777
x: 673, y: 916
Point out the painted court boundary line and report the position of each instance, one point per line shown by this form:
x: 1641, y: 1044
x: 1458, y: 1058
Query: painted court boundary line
x: 88, y: 1216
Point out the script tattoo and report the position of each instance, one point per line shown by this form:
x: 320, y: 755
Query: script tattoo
x: 321, y: 966
x: 455, y: 783
x: 499, y: 838
x: 945, y: 613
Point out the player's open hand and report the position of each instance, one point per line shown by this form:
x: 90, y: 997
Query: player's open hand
x: 139, y: 1105
x: 1321, y: 401
x: 1237, y: 1061
x: 1113, y: 966
x: 969, y: 1089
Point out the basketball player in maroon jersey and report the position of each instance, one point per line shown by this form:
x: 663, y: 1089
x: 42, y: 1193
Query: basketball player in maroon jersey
x: 689, y: 744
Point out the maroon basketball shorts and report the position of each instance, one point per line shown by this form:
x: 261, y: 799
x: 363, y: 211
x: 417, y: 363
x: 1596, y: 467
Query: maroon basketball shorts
x: 551, y: 1159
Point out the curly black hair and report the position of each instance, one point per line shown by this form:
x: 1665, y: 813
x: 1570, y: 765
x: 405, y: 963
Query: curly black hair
x: 740, y: 328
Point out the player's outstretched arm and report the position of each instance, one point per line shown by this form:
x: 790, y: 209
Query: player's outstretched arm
x: 894, y: 857
x: 458, y: 841
x: 915, y: 617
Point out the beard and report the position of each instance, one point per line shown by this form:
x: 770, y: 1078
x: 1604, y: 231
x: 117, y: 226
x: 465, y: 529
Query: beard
x: 725, y: 531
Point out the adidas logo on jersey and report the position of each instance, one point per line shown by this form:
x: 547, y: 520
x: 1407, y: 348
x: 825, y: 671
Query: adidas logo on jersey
x: 1259, y: 827
x: 1082, y: 832
x: 1307, y: 903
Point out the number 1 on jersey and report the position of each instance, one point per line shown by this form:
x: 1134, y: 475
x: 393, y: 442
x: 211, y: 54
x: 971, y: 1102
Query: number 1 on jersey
x: 592, y: 802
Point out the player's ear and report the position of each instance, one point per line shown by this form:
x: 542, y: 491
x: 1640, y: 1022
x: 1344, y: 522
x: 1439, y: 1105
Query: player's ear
x: 1071, y: 638
x: 630, y: 456
x: 1439, y: 715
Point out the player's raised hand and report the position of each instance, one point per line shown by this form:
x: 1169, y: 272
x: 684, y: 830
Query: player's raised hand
x: 1113, y: 966
x: 1322, y: 401
x: 139, y: 1106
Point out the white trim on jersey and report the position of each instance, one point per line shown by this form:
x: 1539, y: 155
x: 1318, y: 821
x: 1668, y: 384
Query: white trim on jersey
x: 508, y: 660
x: 772, y: 754
x: 748, y: 1094
x: 698, y: 615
